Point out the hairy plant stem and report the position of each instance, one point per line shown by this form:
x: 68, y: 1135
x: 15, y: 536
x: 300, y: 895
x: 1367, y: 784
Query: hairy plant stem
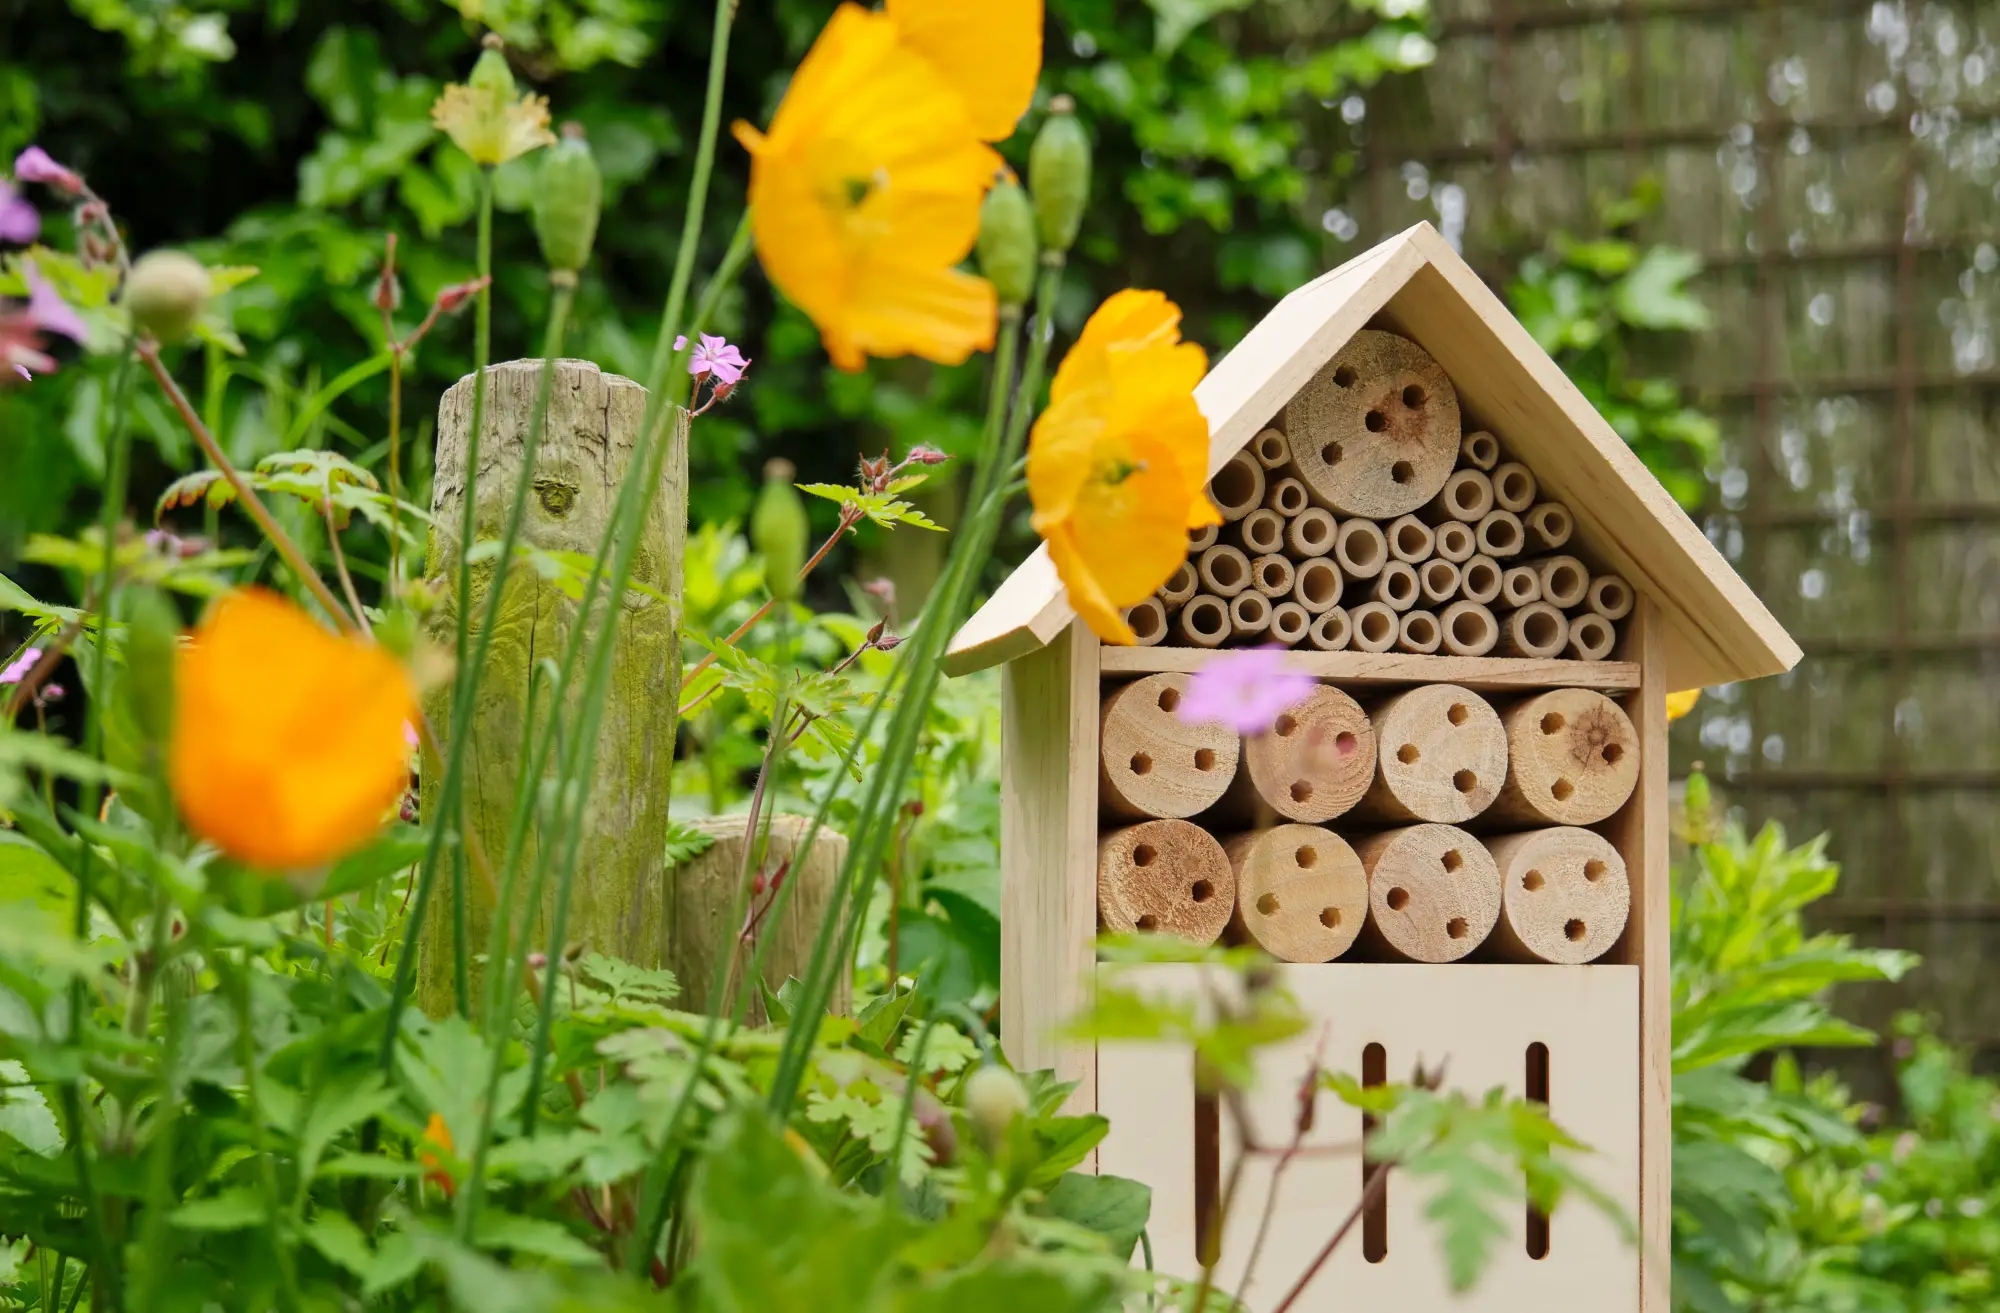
x: 237, y: 976
x: 340, y: 566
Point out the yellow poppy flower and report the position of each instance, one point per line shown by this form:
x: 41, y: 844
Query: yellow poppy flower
x: 438, y: 1134
x: 865, y: 193
x: 486, y: 121
x: 991, y: 52
x: 1679, y: 704
x: 288, y: 743
x: 1117, y: 463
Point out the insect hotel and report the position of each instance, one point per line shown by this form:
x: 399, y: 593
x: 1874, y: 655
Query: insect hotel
x: 1456, y: 847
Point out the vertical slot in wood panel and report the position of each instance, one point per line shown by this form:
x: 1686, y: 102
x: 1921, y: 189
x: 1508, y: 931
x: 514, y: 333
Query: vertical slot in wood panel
x: 1375, y: 1218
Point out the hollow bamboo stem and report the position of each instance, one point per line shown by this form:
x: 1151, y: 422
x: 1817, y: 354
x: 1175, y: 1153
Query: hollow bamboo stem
x: 1469, y: 629
x: 1480, y: 450
x: 1224, y: 570
x: 1204, y: 621
x: 1439, y: 580
x: 1535, y: 630
x: 1548, y: 525
x: 1397, y: 587
x: 1457, y: 541
x: 1372, y: 627
x: 1238, y: 487
x: 1514, y: 487
x: 1316, y: 584
x: 1331, y: 631
x: 1312, y: 532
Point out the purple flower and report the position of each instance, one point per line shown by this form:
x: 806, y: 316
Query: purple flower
x: 34, y: 165
x: 51, y: 313
x: 17, y: 669
x: 1245, y: 690
x: 19, y: 221
x: 714, y: 355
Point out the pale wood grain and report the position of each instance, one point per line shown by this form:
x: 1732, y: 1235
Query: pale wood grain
x: 1441, y: 755
x: 1564, y: 895
x: 1301, y: 892
x: 1168, y: 877
x: 1573, y: 758
x: 1153, y: 763
x: 1433, y: 892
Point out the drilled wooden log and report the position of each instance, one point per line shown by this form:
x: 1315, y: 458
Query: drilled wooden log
x: 1238, y: 487
x: 1480, y: 450
x: 1375, y: 432
x: 1167, y: 876
x: 1457, y: 541
x: 1153, y: 763
x: 1271, y: 449
x: 1514, y: 487
x: 1290, y: 623
x: 618, y: 901
x: 1467, y: 497
x: 1548, y: 525
x: 1439, y: 581
x: 1397, y: 587
x: 1469, y: 629
x: 1520, y: 586
x: 1224, y: 570
x: 1312, y: 532
x: 1249, y: 617
x: 1314, y: 764
x: 1316, y: 584
x: 1260, y: 533
x: 1286, y: 496
x: 1591, y: 637
x: 1572, y: 759
x: 1480, y: 580
x: 1331, y: 631
x: 1273, y: 576
x: 1610, y: 597
x: 1441, y: 756
x: 1433, y: 892
x: 1361, y: 548
x: 1500, y: 535
x: 701, y: 893
x: 1564, y: 896
x: 1204, y: 621
x: 1148, y: 621
x: 1184, y: 585
x: 1301, y: 892
x: 1564, y: 580
x: 1373, y: 627
x: 1418, y: 632
x: 1535, y: 630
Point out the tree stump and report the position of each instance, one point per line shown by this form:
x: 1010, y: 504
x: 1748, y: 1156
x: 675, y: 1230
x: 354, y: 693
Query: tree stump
x: 618, y: 901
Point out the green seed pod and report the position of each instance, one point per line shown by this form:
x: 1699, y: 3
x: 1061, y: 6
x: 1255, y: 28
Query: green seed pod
x: 491, y: 72
x: 568, y: 203
x: 994, y: 1097
x: 779, y: 529
x: 1059, y: 175
x: 1007, y: 246
x: 165, y: 293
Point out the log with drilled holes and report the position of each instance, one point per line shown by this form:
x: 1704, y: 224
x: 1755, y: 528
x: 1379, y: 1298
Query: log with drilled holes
x: 1153, y: 763
x: 1313, y: 765
x: 1169, y: 876
x: 1376, y: 431
x: 1442, y: 756
x: 1301, y: 893
x: 1564, y: 895
x: 1433, y: 892
x: 1572, y: 759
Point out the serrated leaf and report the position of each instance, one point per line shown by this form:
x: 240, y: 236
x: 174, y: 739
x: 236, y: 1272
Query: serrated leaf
x: 232, y: 1210
x: 533, y: 1236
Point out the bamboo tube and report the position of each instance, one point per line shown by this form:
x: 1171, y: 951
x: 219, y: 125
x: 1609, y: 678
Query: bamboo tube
x: 1312, y: 532
x: 1397, y: 586
x: 1535, y: 630
x: 1457, y: 541
x: 1332, y: 631
x: 1286, y: 496
x: 1273, y: 575
x: 1610, y: 597
x: 1290, y: 623
x: 1301, y: 893
x: 1373, y: 627
x: 1151, y: 763
x: 1480, y: 580
x: 1520, y: 586
x: 1169, y: 876
x: 1467, y: 496
x: 1261, y: 532
x: 1591, y: 637
x: 1500, y: 535
x: 1419, y: 632
x: 1271, y: 449
x: 1480, y: 450
x: 1361, y: 548
x: 1469, y: 629
x: 1148, y: 621
x: 1224, y: 570
x: 1314, y: 764
x: 1411, y: 540
x: 1439, y: 579
x: 1433, y: 892
x: 1238, y: 487
x: 1573, y: 759
x: 1564, y: 580
x: 1249, y: 617
x: 1184, y: 585
x: 1316, y: 584
x: 1204, y: 621
x: 1564, y: 896
x: 1200, y: 540
x: 1442, y: 756
x: 1513, y: 487
x: 1375, y: 432
x: 1549, y: 525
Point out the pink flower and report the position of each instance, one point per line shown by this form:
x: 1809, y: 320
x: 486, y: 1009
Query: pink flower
x: 21, y: 346
x: 410, y: 739
x: 714, y: 355
x: 34, y: 165
x: 924, y: 454
x: 51, y: 313
x: 1245, y: 690
x: 17, y: 669
x: 20, y: 223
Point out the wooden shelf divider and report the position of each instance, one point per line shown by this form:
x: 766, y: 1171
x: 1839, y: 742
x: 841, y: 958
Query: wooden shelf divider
x: 1483, y: 674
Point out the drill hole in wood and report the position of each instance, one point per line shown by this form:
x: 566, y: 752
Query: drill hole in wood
x: 1553, y: 723
x: 1268, y: 905
x: 1306, y: 856
x: 1286, y: 726
x: 1376, y: 421
x: 1144, y: 854
x: 1148, y: 923
x: 1465, y: 781
x: 1344, y: 377
x: 1202, y: 891
x: 1458, y: 714
x: 1413, y: 397
x: 1408, y: 754
x: 1330, y: 917
x: 1611, y: 753
x: 1344, y: 744
x: 1302, y: 791
x: 1457, y: 928
x: 1170, y: 698
x: 1402, y: 472
x: 1204, y: 759
x: 1331, y: 453
x: 1398, y: 899
x: 1141, y: 764
x: 1575, y: 930
x: 1561, y: 790
x: 1452, y: 860
x: 1593, y: 871
x: 1533, y: 880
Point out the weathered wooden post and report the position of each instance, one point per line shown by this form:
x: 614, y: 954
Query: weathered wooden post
x: 618, y: 902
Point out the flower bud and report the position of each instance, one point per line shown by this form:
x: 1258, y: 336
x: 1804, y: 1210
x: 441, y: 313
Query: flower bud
x: 779, y: 528
x: 570, y: 199
x: 1007, y: 247
x: 165, y: 294
x: 1059, y: 175
x: 491, y: 72
x: 994, y: 1097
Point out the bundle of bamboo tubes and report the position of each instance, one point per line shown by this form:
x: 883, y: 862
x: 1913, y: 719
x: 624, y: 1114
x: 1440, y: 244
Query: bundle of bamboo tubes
x: 1364, y: 518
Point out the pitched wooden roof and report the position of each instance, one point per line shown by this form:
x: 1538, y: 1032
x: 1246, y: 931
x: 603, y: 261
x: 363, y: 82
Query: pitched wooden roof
x: 1415, y: 284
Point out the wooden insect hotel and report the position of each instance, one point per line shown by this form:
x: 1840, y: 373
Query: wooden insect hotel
x: 1456, y: 848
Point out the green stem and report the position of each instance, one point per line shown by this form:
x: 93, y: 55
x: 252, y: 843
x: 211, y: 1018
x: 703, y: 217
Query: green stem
x: 238, y: 979
x: 664, y: 352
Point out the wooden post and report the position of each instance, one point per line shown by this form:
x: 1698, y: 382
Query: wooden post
x: 702, y: 894
x: 618, y: 903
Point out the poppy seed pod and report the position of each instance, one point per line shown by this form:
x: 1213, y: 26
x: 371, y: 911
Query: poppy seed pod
x: 165, y: 293
x: 994, y: 1097
x: 778, y: 530
x: 569, y: 202
x: 1007, y: 246
x: 491, y: 72
x: 1059, y: 175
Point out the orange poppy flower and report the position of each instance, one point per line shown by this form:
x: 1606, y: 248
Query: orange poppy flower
x: 288, y: 744
x: 990, y: 52
x: 865, y: 193
x: 438, y: 1134
x: 1117, y: 463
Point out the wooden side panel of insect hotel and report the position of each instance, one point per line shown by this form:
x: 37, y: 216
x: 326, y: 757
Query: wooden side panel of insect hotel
x: 1456, y: 848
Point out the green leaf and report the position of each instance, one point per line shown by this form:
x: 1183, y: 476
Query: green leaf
x: 24, y: 1113
x: 232, y: 1210
x: 1173, y: 20
x: 533, y: 1236
x: 1654, y: 294
x: 1112, y: 1206
x: 685, y: 843
x: 883, y: 508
